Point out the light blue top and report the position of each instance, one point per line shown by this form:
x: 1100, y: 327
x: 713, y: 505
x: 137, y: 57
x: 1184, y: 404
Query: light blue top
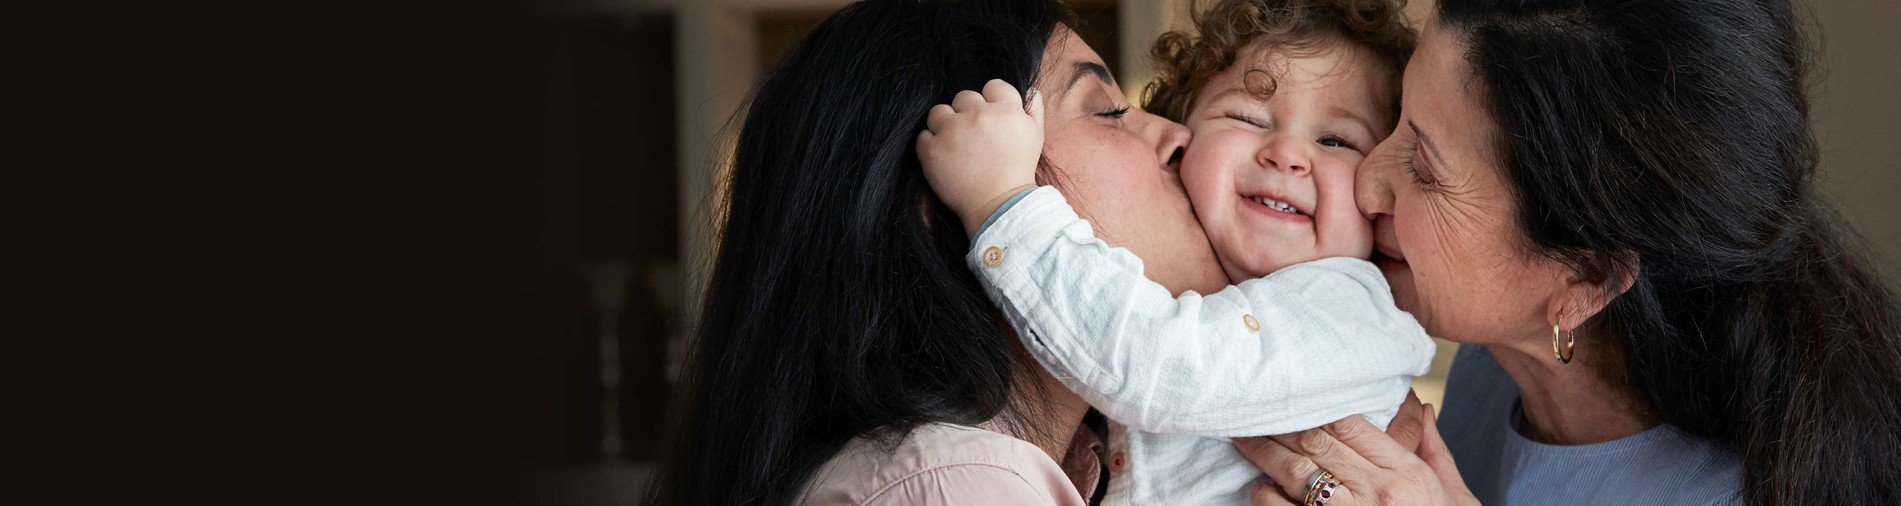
x: 1658, y: 466
x: 1007, y: 204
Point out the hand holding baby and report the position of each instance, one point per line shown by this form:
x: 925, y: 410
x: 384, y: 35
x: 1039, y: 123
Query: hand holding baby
x: 981, y: 149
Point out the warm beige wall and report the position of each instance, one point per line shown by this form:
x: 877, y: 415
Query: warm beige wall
x: 1857, y: 116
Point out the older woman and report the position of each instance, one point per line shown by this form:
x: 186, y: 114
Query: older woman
x: 1610, y: 204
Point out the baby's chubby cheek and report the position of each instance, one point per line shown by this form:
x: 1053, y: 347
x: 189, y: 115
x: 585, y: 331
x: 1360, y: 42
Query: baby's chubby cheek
x: 1211, y: 169
x: 1341, y: 230
x: 1206, y: 178
x: 1351, y: 239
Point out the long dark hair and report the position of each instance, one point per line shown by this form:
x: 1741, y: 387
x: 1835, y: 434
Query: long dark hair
x: 1670, y: 141
x: 839, y: 300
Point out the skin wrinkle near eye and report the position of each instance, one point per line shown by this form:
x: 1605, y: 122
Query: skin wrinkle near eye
x: 1458, y: 193
x: 1462, y: 212
x: 1457, y: 204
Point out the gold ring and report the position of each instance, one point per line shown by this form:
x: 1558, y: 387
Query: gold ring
x: 1320, y: 487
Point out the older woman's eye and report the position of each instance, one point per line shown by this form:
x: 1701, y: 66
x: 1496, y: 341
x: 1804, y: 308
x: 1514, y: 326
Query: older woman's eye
x: 1420, y: 178
x: 1413, y: 170
x: 1410, y: 163
x: 1114, y: 113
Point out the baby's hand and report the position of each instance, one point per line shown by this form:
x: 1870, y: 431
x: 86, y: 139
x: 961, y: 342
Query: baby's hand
x: 981, y: 149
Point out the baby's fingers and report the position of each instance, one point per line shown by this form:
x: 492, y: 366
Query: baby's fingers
x: 939, y: 116
x: 999, y: 92
x: 967, y: 101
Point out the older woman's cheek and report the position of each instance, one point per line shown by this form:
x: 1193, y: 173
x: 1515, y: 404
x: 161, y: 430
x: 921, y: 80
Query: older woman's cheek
x: 1375, y: 194
x: 1451, y: 252
x: 1406, y: 295
x: 1402, y: 275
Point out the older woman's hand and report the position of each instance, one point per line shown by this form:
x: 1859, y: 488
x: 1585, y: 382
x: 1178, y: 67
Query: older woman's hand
x: 1372, y: 467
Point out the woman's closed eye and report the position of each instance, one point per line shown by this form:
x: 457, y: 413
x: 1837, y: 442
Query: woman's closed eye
x: 1412, y: 167
x: 1413, y: 170
x: 1410, y: 160
x: 1115, y: 113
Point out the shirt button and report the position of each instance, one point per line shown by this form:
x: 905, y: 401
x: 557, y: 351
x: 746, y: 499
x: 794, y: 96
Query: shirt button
x: 993, y: 257
x: 1253, y: 325
x: 1117, y: 461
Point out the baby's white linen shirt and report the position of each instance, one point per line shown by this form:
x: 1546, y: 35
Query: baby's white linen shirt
x: 1179, y: 376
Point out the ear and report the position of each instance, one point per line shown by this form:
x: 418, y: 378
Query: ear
x: 1582, y: 295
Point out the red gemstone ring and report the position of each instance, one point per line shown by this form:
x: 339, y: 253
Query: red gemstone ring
x: 1320, y: 487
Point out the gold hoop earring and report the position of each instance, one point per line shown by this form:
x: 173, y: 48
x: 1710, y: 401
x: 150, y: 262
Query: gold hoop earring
x: 1570, y: 339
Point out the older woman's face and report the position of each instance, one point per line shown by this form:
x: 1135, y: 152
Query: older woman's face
x: 1445, y: 227
x: 1113, y: 163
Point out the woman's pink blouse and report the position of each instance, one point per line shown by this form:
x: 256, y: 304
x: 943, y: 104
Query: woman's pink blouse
x: 942, y: 464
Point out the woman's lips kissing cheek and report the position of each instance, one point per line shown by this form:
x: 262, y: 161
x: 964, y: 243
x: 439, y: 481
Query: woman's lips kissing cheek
x: 1386, y: 253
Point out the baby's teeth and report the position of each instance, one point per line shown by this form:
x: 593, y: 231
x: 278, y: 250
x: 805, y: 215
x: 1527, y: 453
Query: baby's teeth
x: 1277, y: 205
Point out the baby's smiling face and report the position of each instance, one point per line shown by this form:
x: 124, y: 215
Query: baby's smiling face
x: 1272, y: 179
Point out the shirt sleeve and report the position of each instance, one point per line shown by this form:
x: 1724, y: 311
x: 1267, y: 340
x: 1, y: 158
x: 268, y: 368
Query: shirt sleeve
x: 1302, y: 347
x: 1007, y: 204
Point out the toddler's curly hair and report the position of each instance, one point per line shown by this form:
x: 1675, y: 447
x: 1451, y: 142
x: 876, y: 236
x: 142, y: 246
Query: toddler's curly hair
x: 1186, y: 60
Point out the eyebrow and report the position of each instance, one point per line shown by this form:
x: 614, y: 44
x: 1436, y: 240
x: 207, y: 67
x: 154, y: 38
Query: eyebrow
x: 1238, y: 90
x: 1342, y: 112
x: 1086, y: 68
x: 1430, y: 147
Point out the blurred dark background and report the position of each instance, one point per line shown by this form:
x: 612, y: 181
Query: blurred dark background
x: 579, y: 145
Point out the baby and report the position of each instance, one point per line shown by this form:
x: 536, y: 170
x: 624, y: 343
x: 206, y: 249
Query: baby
x: 1284, y: 97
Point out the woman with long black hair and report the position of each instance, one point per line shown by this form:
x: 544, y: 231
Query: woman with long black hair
x: 846, y: 354
x: 1611, y: 204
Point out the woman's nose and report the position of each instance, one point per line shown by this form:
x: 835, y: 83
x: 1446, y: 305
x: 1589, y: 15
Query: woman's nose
x: 1286, y: 154
x: 1372, y: 186
x: 1170, y: 138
